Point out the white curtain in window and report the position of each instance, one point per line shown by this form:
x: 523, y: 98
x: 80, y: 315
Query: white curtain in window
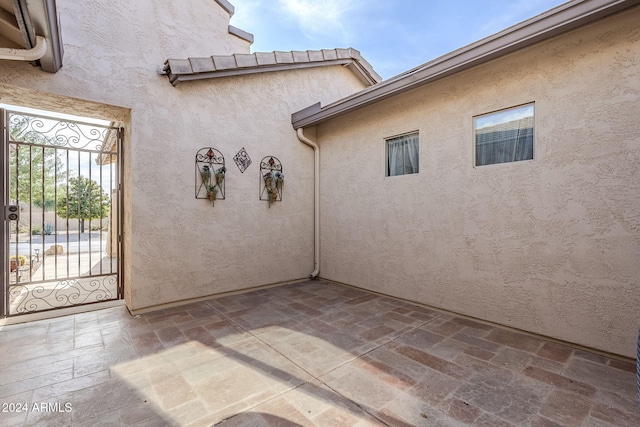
x: 403, y: 154
x: 505, y: 142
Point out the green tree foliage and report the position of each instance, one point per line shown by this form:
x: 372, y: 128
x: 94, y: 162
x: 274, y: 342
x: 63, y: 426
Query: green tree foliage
x: 85, y: 200
x: 34, y: 170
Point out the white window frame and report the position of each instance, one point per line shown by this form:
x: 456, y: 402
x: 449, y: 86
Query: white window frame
x: 504, y: 116
x: 391, y: 139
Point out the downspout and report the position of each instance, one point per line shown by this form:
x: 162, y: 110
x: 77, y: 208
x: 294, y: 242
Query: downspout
x: 32, y: 54
x: 316, y: 201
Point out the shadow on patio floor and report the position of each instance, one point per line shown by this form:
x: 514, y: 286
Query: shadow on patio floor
x: 311, y: 353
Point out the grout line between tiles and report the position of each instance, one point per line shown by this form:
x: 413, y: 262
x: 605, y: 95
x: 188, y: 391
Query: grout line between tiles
x: 317, y: 378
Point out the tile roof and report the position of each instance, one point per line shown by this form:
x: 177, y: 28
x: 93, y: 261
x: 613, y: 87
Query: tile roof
x: 210, y: 67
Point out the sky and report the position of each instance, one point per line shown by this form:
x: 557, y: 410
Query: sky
x: 79, y: 163
x: 394, y: 36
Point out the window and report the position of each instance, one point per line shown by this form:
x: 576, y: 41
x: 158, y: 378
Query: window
x: 402, y: 154
x: 504, y: 136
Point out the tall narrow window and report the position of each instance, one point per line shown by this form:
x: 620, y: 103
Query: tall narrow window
x: 504, y: 136
x: 402, y: 154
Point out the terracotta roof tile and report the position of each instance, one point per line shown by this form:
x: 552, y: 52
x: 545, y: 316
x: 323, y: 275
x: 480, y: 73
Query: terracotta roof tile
x: 260, y: 62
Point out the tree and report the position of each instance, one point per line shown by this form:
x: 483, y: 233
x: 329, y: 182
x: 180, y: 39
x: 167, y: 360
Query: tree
x: 34, y: 171
x: 85, y: 200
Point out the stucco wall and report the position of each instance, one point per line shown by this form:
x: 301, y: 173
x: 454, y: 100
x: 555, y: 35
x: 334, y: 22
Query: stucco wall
x: 550, y: 246
x: 177, y: 247
x: 183, y: 247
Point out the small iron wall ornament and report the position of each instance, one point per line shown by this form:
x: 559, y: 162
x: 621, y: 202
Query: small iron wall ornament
x: 210, y: 171
x: 242, y: 160
x: 271, y: 179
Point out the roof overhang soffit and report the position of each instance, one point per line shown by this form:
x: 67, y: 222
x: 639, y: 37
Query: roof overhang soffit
x: 180, y: 70
x: 30, y: 32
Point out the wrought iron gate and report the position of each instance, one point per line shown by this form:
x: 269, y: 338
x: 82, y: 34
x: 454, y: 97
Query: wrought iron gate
x: 62, y: 191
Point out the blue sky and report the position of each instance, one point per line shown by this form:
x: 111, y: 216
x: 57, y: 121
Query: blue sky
x: 393, y: 35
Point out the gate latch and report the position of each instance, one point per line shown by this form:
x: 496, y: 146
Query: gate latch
x: 12, y: 213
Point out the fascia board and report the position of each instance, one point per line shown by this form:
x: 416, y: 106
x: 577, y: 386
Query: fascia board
x: 557, y: 21
x: 177, y: 78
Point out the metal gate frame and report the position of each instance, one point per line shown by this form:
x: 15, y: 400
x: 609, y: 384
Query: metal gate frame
x: 104, y: 150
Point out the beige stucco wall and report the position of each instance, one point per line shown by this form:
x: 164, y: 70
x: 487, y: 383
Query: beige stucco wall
x: 176, y: 247
x: 550, y: 246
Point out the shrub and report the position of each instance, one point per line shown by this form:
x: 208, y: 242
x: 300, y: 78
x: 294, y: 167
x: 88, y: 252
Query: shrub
x: 22, y: 258
x: 48, y: 228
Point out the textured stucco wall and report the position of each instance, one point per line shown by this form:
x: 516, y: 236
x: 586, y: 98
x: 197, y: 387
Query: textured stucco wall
x: 550, y: 246
x: 177, y: 247
x: 183, y: 247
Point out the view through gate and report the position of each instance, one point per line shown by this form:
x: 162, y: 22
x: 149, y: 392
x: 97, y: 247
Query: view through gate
x: 61, y: 182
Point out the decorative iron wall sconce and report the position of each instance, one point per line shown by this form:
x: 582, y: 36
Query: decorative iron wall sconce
x: 210, y: 171
x: 271, y: 179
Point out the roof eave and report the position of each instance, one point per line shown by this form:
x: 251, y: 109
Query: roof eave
x: 554, y: 22
x: 180, y: 70
x: 177, y: 78
x: 32, y: 28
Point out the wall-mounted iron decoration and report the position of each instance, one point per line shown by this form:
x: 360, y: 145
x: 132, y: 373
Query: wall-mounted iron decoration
x: 242, y: 159
x: 271, y: 179
x: 210, y: 172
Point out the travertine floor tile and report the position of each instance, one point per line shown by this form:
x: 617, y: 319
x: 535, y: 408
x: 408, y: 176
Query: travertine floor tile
x: 308, y: 354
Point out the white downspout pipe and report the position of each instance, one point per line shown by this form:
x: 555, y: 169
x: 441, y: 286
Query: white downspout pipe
x: 316, y: 201
x: 32, y: 54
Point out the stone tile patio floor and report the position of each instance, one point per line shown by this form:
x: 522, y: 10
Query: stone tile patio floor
x: 310, y: 353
